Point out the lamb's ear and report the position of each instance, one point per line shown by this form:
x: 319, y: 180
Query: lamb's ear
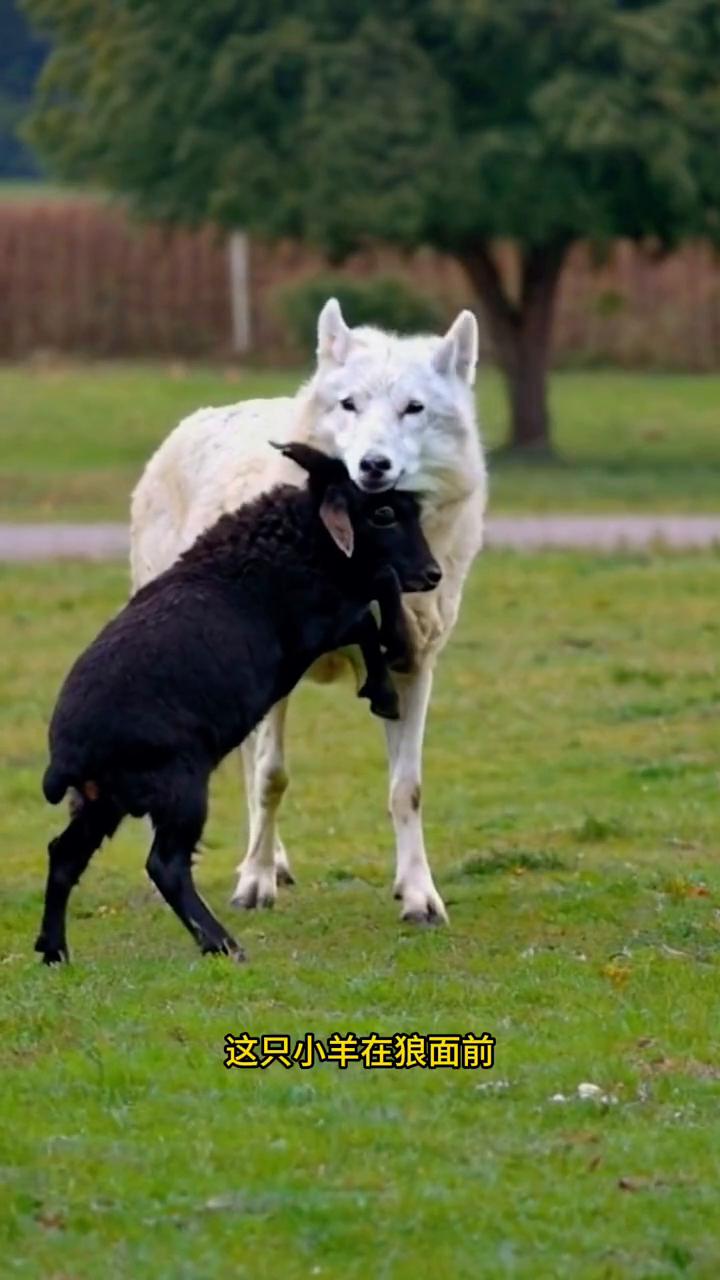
x: 336, y: 518
x: 458, y: 351
x: 321, y: 468
x: 333, y: 335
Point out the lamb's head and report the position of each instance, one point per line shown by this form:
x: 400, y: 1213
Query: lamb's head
x: 373, y: 530
x: 398, y: 411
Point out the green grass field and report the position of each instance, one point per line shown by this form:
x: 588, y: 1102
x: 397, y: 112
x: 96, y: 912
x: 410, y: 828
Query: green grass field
x: 573, y: 820
x: 74, y: 439
x: 31, y: 190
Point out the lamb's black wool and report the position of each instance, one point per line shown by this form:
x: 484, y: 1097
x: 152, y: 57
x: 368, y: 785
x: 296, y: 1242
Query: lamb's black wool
x: 198, y: 657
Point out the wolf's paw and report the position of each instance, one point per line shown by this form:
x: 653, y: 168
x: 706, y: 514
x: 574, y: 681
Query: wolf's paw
x: 255, y: 889
x: 421, y: 903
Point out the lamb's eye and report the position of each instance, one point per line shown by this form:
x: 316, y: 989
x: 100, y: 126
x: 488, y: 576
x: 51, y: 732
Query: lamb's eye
x: 348, y: 404
x: 384, y: 517
x: 414, y: 406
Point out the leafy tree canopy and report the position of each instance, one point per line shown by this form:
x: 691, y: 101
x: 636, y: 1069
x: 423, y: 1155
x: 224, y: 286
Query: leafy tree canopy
x: 448, y: 122
x: 442, y: 121
x: 21, y: 56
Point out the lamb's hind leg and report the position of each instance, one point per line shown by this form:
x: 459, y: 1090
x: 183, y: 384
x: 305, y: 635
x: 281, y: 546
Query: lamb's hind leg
x: 266, y: 863
x: 92, y: 821
x: 178, y: 827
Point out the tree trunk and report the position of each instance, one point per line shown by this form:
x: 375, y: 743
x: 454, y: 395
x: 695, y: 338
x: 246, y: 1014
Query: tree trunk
x: 525, y: 369
x: 521, y: 331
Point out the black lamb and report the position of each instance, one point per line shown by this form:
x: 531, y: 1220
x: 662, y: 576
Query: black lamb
x: 198, y: 656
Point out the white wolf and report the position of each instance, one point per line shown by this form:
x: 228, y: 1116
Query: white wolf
x: 398, y: 411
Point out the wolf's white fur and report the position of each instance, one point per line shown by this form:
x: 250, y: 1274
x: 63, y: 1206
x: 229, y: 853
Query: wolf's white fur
x: 219, y: 458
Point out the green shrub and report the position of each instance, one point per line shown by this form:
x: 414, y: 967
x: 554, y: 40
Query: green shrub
x: 384, y: 301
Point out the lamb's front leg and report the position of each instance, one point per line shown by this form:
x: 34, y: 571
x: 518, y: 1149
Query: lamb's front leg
x: 394, y: 630
x: 378, y: 686
x: 265, y: 864
x: 421, y: 902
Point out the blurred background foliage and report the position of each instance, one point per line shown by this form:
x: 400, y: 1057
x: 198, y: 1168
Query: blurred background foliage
x: 22, y: 54
x: 384, y: 300
x: 449, y: 123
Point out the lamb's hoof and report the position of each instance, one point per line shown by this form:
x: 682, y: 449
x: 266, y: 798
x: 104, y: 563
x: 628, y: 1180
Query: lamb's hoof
x: 52, y: 955
x: 388, y: 709
x: 254, y: 891
x: 284, y: 876
x: 421, y: 906
x: 227, y: 948
x: 384, y: 702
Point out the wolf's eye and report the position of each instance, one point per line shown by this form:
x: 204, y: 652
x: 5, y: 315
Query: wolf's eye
x: 348, y: 404
x: 414, y: 406
x: 384, y: 517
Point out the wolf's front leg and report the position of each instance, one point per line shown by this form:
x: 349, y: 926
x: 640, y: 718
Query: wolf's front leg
x: 266, y: 864
x: 421, y: 902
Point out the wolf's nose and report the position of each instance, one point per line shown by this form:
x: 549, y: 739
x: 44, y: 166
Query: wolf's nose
x: 374, y: 464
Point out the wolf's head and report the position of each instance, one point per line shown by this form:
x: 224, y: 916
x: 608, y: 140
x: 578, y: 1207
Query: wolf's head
x: 398, y: 411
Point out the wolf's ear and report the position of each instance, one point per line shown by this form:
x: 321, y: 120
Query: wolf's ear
x: 458, y: 350
x: 336, y: 518
x: 333, y: 335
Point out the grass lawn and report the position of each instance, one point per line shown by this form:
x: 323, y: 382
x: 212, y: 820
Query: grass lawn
x: 30, y: 190
x: 573, y: 820
x: 74, y: 439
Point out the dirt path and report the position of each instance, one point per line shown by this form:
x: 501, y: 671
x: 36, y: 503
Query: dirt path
x: 63, y: 541
x: 603, y: 533
x: 524, y: 533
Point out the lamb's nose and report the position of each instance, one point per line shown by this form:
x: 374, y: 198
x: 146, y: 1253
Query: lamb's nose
x: 374, y: 464
x: 433, y: 575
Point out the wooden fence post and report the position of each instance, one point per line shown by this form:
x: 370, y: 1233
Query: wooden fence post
x: 239, y: 259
